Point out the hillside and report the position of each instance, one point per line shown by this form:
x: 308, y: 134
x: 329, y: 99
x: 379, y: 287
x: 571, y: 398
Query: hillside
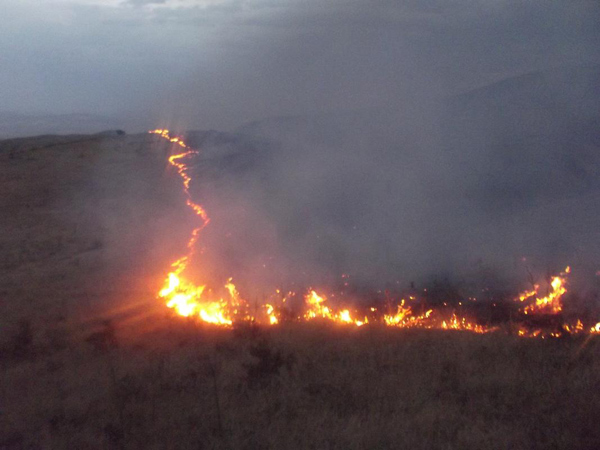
x: 87, y: 218
x: 15, y: 125
x: 509, y: 170
x: 533, y: 137
x: 89, y: 358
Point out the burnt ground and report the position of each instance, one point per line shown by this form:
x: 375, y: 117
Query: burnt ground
x: 90, y: 359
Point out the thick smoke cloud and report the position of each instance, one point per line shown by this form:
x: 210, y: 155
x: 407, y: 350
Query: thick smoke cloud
x: 420, y: 143
x: 392, y: 141
x: 464, y: 187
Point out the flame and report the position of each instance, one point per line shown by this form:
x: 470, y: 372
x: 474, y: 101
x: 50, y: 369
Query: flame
x: 183, y: 296
x: 404, y: 317
x: 188, y: 299
x: 574, y: 329
x: 456, y: 323
x: 273, y: 320
x: 551, y: 303
x: 315, y: 308
x: 526, y: 333
x: 528, y: 294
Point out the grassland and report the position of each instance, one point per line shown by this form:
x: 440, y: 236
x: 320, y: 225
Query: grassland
x: 185, y: 386
x: 89, y: 358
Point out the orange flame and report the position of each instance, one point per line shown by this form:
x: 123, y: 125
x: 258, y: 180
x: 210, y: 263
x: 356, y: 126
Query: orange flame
x: 551, y: 303
x: 181, y: 295
x: 191, y: 300
x: 317, y: 309
x: 456, y: 323
x: 273, y: 320
x: 404, y: 318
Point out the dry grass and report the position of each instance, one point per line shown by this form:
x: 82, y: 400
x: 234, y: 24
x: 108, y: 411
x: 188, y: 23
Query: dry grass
x: 89, y: 360
x: 302, y: 386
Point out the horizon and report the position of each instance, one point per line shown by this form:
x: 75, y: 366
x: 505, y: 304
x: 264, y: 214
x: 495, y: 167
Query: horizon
x: 219, y: 64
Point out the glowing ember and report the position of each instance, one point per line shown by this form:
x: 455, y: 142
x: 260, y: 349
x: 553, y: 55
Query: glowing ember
x: 574, y: 329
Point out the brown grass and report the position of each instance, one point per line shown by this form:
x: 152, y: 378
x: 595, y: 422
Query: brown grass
x: 89, y: 359
x: 302, y: 386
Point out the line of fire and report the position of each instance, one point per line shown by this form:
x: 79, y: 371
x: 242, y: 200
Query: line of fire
x: 538, y: 312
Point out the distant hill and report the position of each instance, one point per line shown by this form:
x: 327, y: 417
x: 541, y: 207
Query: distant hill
x: 20, y: 125
x: 528, y: 136
x: 503, y: 144
x: 13, y: 125
x: 512, y: 168
x: 508, y: 170
x: 572, y: 89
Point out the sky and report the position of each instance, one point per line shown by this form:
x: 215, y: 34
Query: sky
x: 221, y: 63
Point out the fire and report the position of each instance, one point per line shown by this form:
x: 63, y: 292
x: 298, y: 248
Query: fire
x: 183, y: 296
x: 551, y: 303
x: 189, y: 299
x: 528, y: 294
x: 273, y: 320
x: 315, y: 308
x: 456, y: 323
x: 574, y: 329
x: 404, y: 318
x: 186, y: 299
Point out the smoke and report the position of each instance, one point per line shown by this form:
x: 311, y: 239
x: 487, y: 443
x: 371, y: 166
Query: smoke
x: 317, y: 57
x: 405, y: 144
x: 388, y: 141
x: 485, y: 187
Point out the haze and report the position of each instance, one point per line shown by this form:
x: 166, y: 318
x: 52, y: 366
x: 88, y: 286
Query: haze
x: 389, y: 140
x: 218, y: 64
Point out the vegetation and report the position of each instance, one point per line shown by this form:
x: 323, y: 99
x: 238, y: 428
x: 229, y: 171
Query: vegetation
x: 90, y: 359
x: 300, y: 386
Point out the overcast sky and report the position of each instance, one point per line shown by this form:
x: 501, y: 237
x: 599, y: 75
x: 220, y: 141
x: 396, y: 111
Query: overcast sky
x: 220, y: 63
